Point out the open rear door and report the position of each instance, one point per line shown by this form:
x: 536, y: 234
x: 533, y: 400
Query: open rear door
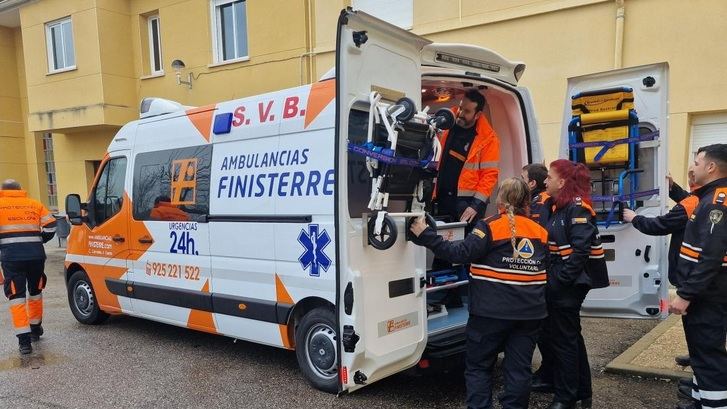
x: 381, y: 304
x: 637, y: 263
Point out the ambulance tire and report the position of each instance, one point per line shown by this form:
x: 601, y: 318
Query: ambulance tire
x: 316, y: 347
x: 388, y: 235
x: 82, y: 300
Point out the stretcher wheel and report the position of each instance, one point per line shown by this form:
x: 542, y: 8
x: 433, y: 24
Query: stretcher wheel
x: 409, y: 111
x: 428, y: 218
x: 388, y: 235
x: 443, y: 119
x: 430, y: 221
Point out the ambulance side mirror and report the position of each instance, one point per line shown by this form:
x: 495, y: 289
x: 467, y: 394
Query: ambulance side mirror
x: 73, y: 209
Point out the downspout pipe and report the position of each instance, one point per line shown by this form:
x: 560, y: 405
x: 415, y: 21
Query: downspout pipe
x: 619, y: 43
x: 309, y: 46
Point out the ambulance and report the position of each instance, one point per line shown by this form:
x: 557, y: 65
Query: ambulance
x: 282, y: 218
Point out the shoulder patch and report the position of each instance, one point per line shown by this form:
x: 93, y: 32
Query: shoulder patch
x: 716, y: 216
x: 720, y: 196
x: 479, y: 233
x: 579, y: 220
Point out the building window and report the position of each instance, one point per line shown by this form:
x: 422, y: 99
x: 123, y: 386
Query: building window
x: 50, y: 171
x: 155, y: 45
x: 230, y: 35
x: 397, y: 12
x: 59, y: 38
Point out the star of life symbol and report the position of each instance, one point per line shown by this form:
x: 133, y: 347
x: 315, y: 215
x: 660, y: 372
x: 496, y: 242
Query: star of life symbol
x: 314, y: 243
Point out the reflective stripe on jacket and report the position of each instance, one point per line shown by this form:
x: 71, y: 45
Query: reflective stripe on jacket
x: 481, y: 168
x: 576, y: 253
x: 501, y: 286
x: 540, y: 208
x: 702, y: 269
x: 25, y: 224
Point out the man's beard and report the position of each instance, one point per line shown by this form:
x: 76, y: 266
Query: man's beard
x: 462, y: 123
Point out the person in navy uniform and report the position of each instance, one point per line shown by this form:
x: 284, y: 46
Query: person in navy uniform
x: 577, y: 264
x: 508, y: 255
x: 534, y: 175
x: 701, y: 276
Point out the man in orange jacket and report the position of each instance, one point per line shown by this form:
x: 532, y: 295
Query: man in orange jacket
x: 25, y: 224
x: 468, y: 170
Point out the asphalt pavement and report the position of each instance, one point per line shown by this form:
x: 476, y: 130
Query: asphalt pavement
x: 134, y: 363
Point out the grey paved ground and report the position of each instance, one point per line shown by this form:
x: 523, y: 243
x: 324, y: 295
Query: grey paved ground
x: 133, y: 363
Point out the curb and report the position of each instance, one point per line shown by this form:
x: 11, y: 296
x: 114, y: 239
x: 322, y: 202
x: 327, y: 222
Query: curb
x: 622, y: 363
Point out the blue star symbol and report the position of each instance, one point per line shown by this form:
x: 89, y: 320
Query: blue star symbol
x: 314, y: 244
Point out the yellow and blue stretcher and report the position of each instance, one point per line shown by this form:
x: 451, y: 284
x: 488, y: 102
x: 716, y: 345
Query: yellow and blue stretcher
x: 604, y: 134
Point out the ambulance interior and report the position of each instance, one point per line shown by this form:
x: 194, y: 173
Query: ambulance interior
x: 446, y: 284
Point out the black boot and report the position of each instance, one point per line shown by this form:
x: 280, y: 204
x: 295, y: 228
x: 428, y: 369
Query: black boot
x: 683, y: 360
x: 685, y: 392
x: 686, y: 405
x: 562, y: 405
x: 586, y: 403
x: 686, y: 382
x: 24, y: 344
x: 35, y: 332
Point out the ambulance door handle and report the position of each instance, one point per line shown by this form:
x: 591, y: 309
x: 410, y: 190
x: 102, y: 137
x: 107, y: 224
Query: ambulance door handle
x: 146, y: 240
x: 118, y: 238
x: 646, y: 253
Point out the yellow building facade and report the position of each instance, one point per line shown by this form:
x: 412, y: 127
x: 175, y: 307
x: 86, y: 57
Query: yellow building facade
x: 74, y: 71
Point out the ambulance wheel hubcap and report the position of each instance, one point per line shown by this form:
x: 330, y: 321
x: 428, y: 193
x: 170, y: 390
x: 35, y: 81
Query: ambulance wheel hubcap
x: 83, y: 297
x: 321, y: 350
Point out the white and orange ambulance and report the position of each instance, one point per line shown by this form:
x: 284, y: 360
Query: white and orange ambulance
x: 251, y: 218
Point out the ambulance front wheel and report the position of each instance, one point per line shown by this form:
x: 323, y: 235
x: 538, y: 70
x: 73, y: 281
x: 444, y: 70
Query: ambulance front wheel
x: 82, y: 299
x: 387, y: 237
x: 316, y: 349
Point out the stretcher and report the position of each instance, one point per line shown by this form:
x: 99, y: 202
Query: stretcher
x: 402, y: 152
x: 604, y: 135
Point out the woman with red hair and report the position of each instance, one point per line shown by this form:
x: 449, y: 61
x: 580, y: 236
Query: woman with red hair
x: 577, y: 264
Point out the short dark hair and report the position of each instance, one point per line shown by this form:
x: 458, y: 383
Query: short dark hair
x: 476, y: 97
x: 537, y: 172
x: 716, y: 153
x: 11, y: 184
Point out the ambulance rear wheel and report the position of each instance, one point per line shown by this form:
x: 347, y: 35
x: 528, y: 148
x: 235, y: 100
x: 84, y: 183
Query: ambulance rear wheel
x: 82, y: 300
x: 316, y: 347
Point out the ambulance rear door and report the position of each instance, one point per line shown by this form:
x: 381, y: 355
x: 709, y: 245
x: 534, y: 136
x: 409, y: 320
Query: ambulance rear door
x: 637, y: 263
x: 381, y: 303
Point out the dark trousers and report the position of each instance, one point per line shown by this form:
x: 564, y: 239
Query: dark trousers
x: 23, y: 276
x: 569, y: 360
x: 705, y: 327
x: 545, y: 372
x: 486, y: 337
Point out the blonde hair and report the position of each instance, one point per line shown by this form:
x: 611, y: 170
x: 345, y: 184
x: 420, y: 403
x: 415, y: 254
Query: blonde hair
x: 514, y: 196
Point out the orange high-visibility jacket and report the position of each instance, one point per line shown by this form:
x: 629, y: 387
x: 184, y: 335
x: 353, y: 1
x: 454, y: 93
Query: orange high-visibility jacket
x: 25, y: 224
x: 481, y: 168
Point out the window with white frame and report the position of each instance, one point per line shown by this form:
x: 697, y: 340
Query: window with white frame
x: 59, y: 43
x: 155, y: 45
x: 50, y: 171
x: 230, y: 24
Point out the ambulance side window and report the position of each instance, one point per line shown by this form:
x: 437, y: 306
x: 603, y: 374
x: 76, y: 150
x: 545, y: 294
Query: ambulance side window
x: 172, y: 185
x: 108, y: 195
